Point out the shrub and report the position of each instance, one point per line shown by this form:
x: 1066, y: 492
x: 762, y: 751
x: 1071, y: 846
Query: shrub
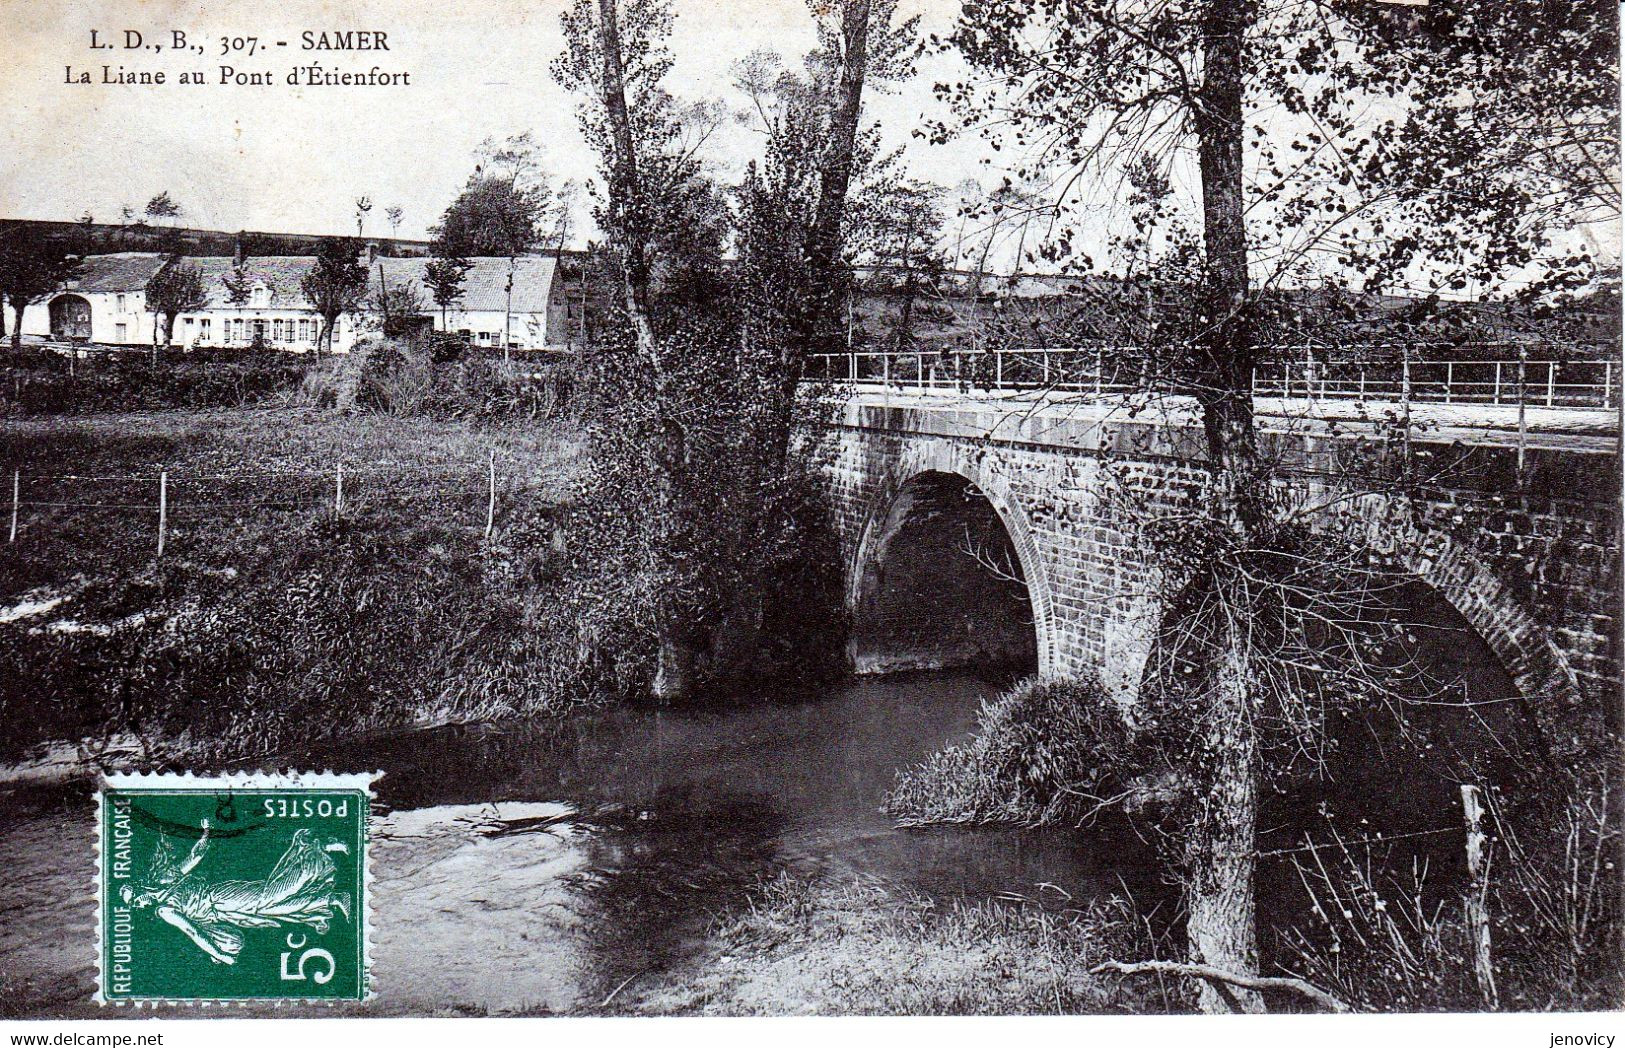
x: 119, y: 381
x: 335, y: 625
x: 1044, y: 751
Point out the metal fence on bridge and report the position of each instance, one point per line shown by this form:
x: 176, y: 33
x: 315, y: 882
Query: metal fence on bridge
x: 1479, y: 374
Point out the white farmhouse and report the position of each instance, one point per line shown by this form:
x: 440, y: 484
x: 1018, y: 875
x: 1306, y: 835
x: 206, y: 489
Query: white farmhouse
x: 527, y: 301
x: 522, y: 301
x: 106, y: 303
x: 273, y: 312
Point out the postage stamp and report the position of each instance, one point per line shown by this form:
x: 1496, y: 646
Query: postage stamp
x: 238, y: 887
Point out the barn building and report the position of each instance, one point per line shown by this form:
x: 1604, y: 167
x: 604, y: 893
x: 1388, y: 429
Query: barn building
x: 106, y: 303
x: 531, y: 302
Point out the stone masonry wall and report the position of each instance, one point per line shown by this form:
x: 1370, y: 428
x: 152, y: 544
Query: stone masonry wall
x: 1532, y: 564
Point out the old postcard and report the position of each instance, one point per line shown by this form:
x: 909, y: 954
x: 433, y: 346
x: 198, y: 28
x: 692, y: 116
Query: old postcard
x: 810, y: 508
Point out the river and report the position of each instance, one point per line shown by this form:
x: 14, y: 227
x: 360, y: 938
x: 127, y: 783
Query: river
x: 534, y: 866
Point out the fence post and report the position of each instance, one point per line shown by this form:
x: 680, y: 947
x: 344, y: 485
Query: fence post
x: 338, y: 490
x: 1497, y: 382
x: 998, y: 369
x: 1523, y: 405
x: 1449, y: 378
x: 1551, y: 381
x: 16, y: 486
x: 163, y: 508
x: 491, y: 497
x: 1478, y: 895
x: 1607, y: 382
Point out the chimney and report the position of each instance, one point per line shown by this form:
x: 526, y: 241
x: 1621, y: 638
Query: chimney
x: 238, y: 255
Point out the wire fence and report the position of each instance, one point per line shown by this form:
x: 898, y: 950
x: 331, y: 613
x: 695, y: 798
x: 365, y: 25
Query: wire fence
x: 468, y: 493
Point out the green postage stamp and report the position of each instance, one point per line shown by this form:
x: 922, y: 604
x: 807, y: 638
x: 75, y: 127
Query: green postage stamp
x: 243, y: 887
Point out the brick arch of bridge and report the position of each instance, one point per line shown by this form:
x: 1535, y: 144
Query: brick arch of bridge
x: 935, y: 456
x: 1458, y: 573
x: 1125, y: 626
x: 1452, y: 569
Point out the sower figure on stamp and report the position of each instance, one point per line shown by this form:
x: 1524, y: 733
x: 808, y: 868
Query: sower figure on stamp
x: 298, y: 890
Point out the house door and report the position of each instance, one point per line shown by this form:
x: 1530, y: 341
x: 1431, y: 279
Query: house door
x: 259, y: 333
x: 70, y: 318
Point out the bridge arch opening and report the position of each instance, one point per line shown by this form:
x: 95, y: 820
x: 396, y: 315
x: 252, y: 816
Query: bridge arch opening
x: 941, y: 583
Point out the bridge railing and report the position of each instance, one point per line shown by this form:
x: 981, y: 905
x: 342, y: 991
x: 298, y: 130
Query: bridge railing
x: 1482, y: 378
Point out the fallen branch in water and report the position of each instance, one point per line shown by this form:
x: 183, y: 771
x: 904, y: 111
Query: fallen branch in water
x: 1219, y: 975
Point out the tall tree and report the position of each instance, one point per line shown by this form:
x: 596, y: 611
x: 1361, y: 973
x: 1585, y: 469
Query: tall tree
x: 703, y: 407
x: 336, y: 284
x: 898, y: 234
x: 798, y: 219
x: 445, y: 274
x: 1285, y: 111
x: 32, y: 269
x: 493, y: 217
x: 176, y: 288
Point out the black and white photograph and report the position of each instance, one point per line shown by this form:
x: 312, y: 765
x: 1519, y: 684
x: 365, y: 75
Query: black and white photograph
x: 609, y: 509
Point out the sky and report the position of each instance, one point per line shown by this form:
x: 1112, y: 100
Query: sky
x: 281, y: 158
x: 286, y: 159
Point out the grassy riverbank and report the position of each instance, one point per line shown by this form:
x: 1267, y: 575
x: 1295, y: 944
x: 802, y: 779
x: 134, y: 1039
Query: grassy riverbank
x: 277, y: 614
x: 815, y: 948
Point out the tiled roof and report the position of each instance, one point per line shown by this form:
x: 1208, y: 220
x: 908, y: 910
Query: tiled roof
x: 485, y: 286
x: 125, y: 271
x: 278, y: 274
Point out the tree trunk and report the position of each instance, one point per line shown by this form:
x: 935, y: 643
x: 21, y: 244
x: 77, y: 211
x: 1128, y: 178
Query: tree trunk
x: 1221, y: 852
x: 822, y: 247
x: 629, y: 237
x: 835, y: 176
x: 629, y: 229
x: 674, y: 668
x: 1222, y: 925
x: 17, y: 328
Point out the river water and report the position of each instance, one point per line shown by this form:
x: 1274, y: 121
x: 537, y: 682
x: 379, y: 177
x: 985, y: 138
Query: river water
x: 536, y: 866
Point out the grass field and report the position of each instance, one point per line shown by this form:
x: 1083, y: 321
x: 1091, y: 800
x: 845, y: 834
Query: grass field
x: 273, y: 595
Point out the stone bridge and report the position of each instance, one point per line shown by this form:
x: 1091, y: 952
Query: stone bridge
x: 977, y: 531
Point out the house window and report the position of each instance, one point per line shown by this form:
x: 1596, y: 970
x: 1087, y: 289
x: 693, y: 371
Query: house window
x: 121, y: 304
x: 279, y: 331
x: 485, y: 338
x: 260, y: 297
x: 123, y: 332
x: 203, y: 326
x: 304, y: 329
x: 237, y: 329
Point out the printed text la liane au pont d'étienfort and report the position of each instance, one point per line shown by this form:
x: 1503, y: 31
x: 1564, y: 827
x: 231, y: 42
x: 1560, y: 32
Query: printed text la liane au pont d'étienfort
x: 160, y: 58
